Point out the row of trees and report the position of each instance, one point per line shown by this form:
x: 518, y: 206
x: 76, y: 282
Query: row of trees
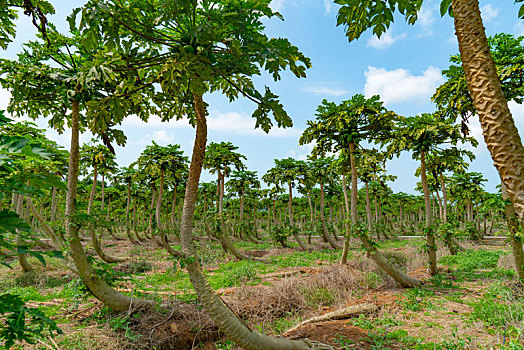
x: 133, y: 57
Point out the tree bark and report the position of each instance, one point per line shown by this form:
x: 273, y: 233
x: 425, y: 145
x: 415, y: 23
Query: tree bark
x: 345, y: 251
x: 219, y: 312
x: 498, y: 127
x: 103, y: 192
x: 299, y: 240
x: 325, y: 232
x: 159, y: 202
x: 93, y: 189
x: 22, y: 257
x: 516, y: 241
x: 53, y: 204
x: 100, y: 289
x: 400, y: 277
x: 368, y: 207
x: 432, y: 245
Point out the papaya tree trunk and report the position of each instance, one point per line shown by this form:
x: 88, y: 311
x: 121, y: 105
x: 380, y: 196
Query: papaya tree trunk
x: 515, y: 240
x: 173, y: 206
x: 345, y: 251
x: 93, y: 189
x: 103, y: 192
x: 53, y: 204
x: 219, y: 312
x: 22, y: 257
x: 299, y: 240
x: 325, y: 232
x: 432, y: 245
x: 100, y: 289
x: 159, y: 202
x: 368, y: 207
x: 400, y: 277
x: 498, y: 127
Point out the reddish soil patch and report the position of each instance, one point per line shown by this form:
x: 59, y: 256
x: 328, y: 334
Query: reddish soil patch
x: 335, y: 333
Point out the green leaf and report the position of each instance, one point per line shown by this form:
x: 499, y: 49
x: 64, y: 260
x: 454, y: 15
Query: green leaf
x: 445, y: 7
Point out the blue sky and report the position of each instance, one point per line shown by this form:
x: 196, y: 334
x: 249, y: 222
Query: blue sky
x: 403, y: 67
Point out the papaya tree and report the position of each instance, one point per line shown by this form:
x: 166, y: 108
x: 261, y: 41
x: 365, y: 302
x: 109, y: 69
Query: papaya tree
x: 322, y: 172
x: 220, y: 159
x: 484, y: 85
x: 243, y: 181
x: 341, y: 128
x: 80, y: 90
x: 421, y: 134
x: 206, y: 46
x: 288, y: 172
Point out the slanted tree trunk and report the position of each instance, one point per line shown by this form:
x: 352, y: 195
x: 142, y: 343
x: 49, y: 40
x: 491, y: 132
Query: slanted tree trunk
x: 22, y: 257
x: 173, y: 206
x: 219, y: 312
x: 400, y: 277
x: 345, y: 251
x: 53, y: 204
x: 93, y: 189
x: 299, y: 240
x: 325, y: 232
x: 432, y: 245
x: 54, y: 238
x: 103, y: 192
x: 100, y: 289
x: 516, y: 241
x: 498, y: 127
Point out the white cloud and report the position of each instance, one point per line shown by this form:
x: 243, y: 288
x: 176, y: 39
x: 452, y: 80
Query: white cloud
x: 386, y: 40
x: 302, y: 152
x: 476, y: 130
x: 400, y: 85
x: 426, y: 19
x: 324, y: 90
x: 163, y: 137
x: 5, y: 96
x: 489, y: 12
x: 277, y: 5
x: 328, y: 6
x: 231, y: 122
x: 518, y: 29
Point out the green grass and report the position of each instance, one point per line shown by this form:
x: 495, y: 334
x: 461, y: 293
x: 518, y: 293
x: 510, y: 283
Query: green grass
x: 398, y: 243
x: 498, y: 307
x: 417, y: 299
x: 472, y: 260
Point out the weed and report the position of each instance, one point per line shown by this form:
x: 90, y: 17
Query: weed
x: 122, y: 324
x: 139, y: 266
x: 280, y: 325
x: 498, y: 308
x: 416, y: 299
x: 472, y: 260
x: 225, y: 345
x: 318, y: 296
x: 441, y: 281
x: 343, y: 342
x: 234, y: 274
x: 373, y: 280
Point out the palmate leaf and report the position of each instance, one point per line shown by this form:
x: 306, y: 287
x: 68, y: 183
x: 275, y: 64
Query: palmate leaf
x: 22, y: 323
x: 40, y: 255
x: 10, y: 222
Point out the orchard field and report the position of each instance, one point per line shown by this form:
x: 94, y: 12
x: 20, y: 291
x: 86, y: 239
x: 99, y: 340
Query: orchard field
x: 199, y: 250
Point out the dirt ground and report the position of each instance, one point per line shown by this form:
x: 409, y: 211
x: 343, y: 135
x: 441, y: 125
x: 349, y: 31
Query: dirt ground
x: 274, y: 301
